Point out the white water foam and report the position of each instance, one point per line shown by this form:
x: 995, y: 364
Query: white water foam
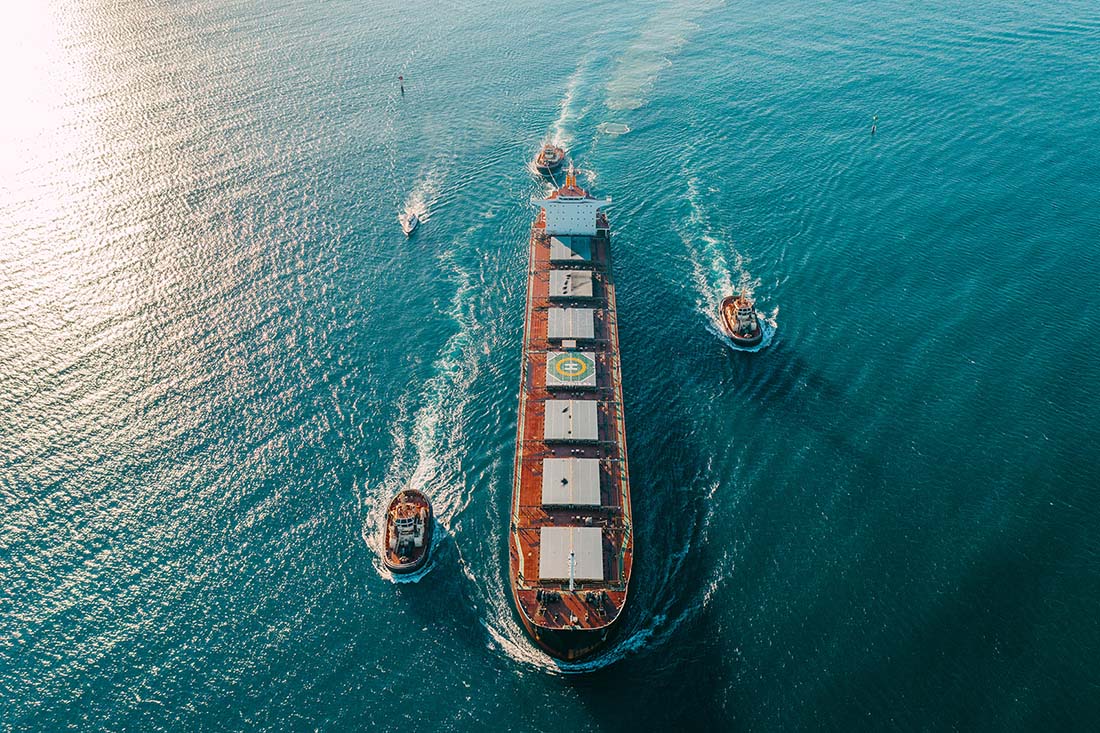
x: 560, y: 132
x: 561, y: 128
x: 425, y: 193
x: 713, y: 272
x: 427, y: 457
x: 658, y: 42
x: 614, y: 129
x: 766, y: 326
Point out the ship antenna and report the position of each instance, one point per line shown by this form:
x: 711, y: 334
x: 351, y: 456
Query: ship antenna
x: 572, y: 556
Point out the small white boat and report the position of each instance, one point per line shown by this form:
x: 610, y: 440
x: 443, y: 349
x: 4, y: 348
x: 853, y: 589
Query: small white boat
x: 409, y: 223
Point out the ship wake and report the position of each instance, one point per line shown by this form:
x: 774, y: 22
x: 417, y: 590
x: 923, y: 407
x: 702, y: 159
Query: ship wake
x: 658, y: 42
x: 718, y: 270
x: 425, y: 193
x: 561, y: 129
x: 428, y: 455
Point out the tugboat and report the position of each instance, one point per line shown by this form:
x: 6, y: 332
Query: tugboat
x: 549, y: 159
x: 409, y: 223
x: 408, y: 534
x: 739, y: 320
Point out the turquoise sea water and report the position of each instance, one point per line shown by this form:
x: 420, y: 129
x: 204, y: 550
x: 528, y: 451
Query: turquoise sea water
x: 219, y: 355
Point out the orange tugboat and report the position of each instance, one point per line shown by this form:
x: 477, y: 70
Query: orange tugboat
x: 571, y: 543
x: 408, y: 535
x: 549, y: 159
x: 739, y: 320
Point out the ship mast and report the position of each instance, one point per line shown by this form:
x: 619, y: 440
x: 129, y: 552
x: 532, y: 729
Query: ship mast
x: 571, y: 176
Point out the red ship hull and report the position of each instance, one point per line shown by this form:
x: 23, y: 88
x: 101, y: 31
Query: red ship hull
x: 570, y: 620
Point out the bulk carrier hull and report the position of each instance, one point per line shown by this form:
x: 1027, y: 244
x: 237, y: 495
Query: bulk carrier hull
x: 570, y: 530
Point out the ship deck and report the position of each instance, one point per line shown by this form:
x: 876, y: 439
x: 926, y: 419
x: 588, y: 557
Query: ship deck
x: 548, y: 603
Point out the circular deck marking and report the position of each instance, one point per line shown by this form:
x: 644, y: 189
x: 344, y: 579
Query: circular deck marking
x: 571, y: 367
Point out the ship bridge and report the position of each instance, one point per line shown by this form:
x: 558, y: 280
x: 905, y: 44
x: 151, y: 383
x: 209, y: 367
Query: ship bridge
x: 571, y: 210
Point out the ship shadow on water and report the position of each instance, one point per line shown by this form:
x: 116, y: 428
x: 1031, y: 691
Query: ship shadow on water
x: 661, y: 603
x: 700, y: 526
x: 436, y: 596
x: 677, y: 678
x: 779, y: 381
x: 670, y: 623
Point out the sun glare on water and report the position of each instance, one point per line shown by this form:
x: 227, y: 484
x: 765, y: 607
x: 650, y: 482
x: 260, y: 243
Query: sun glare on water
x: 39, y: 74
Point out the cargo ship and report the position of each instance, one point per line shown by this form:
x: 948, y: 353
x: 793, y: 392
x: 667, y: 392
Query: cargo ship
x: 570, y: 533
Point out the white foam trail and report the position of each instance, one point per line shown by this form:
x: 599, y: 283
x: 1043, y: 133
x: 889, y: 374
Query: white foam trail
x: 429, y: 459
x: 561, y: 133
x: 425, y: 193
x: 561, y: 129
x: 713, y: 271
x: 658, y: 42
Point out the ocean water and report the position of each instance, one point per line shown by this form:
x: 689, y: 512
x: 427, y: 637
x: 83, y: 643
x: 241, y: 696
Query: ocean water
x: 219, y: 356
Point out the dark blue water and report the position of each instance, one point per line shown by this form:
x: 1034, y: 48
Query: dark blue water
x: 219, y: 356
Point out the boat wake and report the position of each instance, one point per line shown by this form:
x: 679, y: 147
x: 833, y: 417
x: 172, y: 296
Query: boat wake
x: 428, y: 457
x: 424, y: 195
x: 561, y: 133
x: 767, y: 326
x: 659, y: 41
x: 715, y: 266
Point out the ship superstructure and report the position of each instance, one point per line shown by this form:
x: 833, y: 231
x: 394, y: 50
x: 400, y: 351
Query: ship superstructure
x: 570, y: 533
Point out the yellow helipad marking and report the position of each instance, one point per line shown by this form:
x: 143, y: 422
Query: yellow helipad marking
x: 572, y: 367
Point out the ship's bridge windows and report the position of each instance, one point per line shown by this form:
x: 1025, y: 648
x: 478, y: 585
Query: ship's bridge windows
x: 571, y: 323
x: 571, y: 482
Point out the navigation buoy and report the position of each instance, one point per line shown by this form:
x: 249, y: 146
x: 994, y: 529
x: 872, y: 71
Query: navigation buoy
x: 874, y: 124
x: 401, y: 81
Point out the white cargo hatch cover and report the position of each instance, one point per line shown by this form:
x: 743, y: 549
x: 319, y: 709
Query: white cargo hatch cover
x: 571, y: 482
x: 584, y: 543
x: 570, y: 421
